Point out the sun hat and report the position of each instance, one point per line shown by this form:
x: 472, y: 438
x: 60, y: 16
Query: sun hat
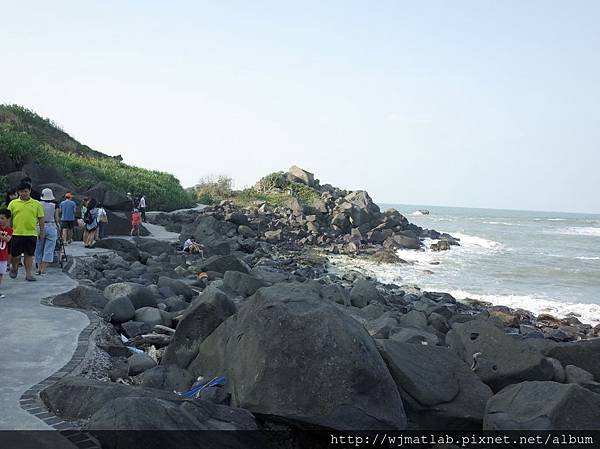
x: 47, y: 195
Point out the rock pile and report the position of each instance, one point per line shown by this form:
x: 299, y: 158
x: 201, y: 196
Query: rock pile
x: 302, y: 347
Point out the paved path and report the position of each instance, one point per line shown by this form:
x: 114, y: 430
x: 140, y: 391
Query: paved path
x: 37, y: 340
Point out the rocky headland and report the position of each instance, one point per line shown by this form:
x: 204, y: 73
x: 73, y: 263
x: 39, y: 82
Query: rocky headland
x: 303, y: 346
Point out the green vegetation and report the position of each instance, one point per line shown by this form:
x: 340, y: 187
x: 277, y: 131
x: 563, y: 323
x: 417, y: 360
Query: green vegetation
x: 26, y: 137
x: 212, y: 189
x: 273, y: 189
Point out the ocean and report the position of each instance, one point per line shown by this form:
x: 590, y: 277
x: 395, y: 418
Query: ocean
x: 545, y: 262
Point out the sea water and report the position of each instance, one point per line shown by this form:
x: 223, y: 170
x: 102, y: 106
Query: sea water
x: 545, y: 262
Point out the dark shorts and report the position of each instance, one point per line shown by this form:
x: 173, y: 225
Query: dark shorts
x: 67, y: 224
x: 20, y: 244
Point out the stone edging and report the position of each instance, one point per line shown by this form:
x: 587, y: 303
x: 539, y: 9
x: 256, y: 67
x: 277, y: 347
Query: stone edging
x: 31, y: 402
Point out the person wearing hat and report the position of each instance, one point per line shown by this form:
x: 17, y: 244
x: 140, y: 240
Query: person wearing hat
x: 44, y: 249
x: 25, y: 214
x: 67, y: 217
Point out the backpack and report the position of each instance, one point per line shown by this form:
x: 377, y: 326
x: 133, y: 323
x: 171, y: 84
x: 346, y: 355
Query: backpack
x: 88, y: 218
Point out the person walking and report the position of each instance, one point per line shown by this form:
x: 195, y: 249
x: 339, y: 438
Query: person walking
x: 5, y: 236
x: 90, y: 223
x: 25, y: 214
x: 136, y: 222
x: 102, y: 222
x: 67, y: 217
x: 142, y: 207
x: 44, y: 249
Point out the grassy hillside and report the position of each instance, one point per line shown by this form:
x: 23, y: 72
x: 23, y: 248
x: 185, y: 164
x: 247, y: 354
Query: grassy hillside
x: 26, y: 137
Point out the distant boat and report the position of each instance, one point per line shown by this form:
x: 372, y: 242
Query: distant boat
x: 421, y: 212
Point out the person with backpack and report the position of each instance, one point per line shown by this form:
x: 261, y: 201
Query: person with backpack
x: 44, y: 249
x: 136, y: 222
x: 67, y: 217
x: 90, y: 223
x: 102, y: 222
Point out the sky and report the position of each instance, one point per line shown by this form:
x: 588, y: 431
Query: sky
x: 462, y: 103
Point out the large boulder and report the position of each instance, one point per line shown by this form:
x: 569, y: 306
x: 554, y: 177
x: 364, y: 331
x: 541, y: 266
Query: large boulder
x: 141, y: 297
x: 363, y: 293
x: 120, y: 245
x: 119, y: 223
x: 439, y: 390
x: 133, y: 422
x: 119, y: 289
x: 44, y: 174
x: 152, y: 316
x: 585, y: 354
x: 138, y: 363
x: 178, y: 287
x: 167, y: 377
x: 155, y: 247
x: 297, y: 174
x: 221, y: 264
x: 543, y: 406
x: 206, y: 313
x: 401, y: 242
x: 81, y: 297
x: 119, y: 310
x: 499, y: 359
x: 78, y: 398
x: 111, y: 199
x: 241, y: 283
x: 289, y: 354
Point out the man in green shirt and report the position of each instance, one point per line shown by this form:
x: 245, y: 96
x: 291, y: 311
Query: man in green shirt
x: 26, y: 213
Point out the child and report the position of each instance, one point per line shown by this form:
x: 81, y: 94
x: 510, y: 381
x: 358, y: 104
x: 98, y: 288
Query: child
x: 136, y: 221
x: 5, y: 236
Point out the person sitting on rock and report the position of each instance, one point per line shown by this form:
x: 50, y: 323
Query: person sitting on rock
x: 136, y: 222
x: 192, y: 246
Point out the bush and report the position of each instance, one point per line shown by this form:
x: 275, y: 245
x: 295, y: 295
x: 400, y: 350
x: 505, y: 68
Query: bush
x: 276, y: 180
x: 212, y: 189
x: 20, y: 146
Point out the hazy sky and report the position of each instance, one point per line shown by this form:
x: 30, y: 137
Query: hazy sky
x: 464, y: 103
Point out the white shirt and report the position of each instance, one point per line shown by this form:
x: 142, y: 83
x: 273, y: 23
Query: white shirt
x: 142, y: 202
x: 101, y: 213
x: 187, y: 244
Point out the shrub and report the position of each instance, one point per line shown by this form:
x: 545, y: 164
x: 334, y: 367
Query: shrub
x: 213, y: 189
x: 276, y: 180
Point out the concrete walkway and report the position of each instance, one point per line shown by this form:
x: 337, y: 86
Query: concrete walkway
x: 36, y: 340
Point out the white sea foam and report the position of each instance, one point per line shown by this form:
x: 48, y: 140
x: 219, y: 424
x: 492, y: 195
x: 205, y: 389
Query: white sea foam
x: 586, y: 313
x: 588, y: 258
x: 474, y: 241
x: 503, y: 223
x: 577, y: 230
x: 417, y: 213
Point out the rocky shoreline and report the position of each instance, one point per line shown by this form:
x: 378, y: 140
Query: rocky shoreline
x: 302, y: 346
